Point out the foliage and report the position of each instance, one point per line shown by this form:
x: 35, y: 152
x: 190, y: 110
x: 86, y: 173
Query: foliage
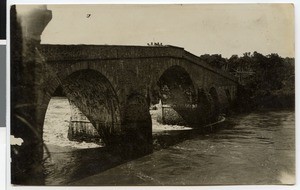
x: 268, y: 81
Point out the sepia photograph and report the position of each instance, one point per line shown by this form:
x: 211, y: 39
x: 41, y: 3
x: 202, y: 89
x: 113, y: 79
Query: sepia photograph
x: 152, y: 94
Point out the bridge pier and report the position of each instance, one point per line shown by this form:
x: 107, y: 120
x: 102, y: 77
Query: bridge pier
x: 137, y: 126
x: 204, y: 106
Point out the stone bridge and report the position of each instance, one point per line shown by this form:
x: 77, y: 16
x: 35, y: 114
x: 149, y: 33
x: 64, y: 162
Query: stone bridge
x: 112, y: 87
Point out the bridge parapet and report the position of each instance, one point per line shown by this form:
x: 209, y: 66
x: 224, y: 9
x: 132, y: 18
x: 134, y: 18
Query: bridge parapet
x: 58, y: 53
x: 193, y: 58
x: 96, y: 52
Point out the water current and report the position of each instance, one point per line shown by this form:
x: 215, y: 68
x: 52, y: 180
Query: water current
x: 253, y: 148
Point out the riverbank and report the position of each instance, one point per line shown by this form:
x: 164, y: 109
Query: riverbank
x: 251, y: 99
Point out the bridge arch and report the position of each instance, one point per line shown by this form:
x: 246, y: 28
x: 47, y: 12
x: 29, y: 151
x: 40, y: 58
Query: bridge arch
x: 56, y: 79
x: 137, y: 124
x: 178, y: 96
x: 92, y: 95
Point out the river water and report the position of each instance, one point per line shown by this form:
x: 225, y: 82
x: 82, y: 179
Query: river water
x: 254, y: 148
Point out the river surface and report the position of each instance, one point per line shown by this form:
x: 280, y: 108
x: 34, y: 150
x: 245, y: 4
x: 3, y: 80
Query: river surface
x: 254, y: 148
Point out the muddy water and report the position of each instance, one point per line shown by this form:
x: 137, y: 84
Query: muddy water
x: 256, y: 148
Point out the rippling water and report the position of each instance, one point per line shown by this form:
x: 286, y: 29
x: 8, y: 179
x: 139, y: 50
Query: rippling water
x: 256, y: 148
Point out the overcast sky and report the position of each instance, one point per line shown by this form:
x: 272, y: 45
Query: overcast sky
x: 200, y: 29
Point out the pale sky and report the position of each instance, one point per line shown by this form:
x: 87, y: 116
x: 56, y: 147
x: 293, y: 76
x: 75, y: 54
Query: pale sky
x: 200, y: 29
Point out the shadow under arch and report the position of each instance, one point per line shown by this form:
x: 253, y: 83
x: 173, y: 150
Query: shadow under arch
x: 178, y: 96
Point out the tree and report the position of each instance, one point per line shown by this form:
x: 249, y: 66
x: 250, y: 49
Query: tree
x: 215, y: 60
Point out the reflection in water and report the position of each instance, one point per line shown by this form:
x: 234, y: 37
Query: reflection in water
x: 256, y: 148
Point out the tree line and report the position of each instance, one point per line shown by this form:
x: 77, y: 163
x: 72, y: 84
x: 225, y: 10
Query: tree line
x: 266, y: 80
